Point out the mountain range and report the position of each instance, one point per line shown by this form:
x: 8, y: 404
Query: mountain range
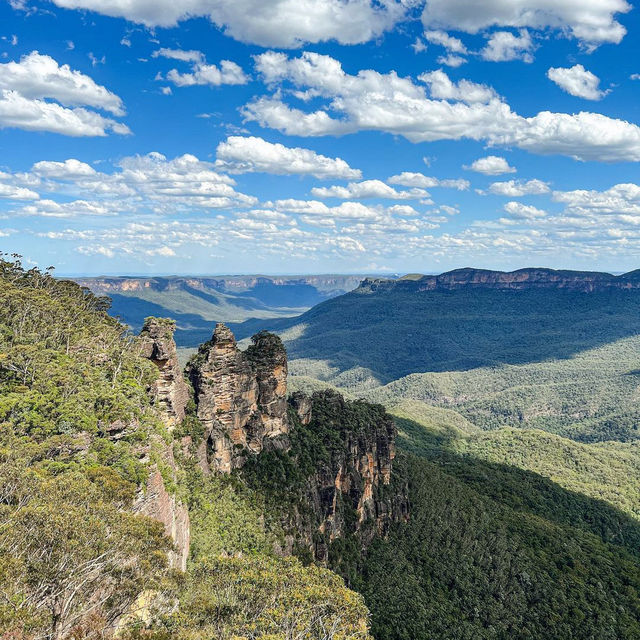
x: 431, y: 458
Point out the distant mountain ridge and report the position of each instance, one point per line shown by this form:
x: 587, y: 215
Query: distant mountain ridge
x: 529, y: 278
x: 198, y: 302
x: 328, y: 283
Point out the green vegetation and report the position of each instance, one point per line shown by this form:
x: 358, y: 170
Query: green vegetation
x: 558, y: 360
x: 491, y: 552
x: 78, y: 435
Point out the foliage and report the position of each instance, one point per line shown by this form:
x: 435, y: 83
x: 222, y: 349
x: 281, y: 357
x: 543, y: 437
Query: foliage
x: 65, y: 365
x: 482, y: 557
x: 558, y: 360
x: 68, y: 551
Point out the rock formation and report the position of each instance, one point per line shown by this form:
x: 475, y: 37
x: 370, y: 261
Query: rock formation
x: 348, y: 492
x: 170, y: 391
x: 156, y: 502
x: 170, y: 395
x: 240, y: 397
x: 522, y: 279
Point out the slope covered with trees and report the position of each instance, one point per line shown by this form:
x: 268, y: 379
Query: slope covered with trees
x: 481, y: 546
x: 79, y: 437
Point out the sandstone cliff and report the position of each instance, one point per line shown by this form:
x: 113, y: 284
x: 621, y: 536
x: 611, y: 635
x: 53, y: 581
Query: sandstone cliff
x: 350, y: 492
x: 170, y: 392
x: 522, y: 279
x: 240, y: 397
x: 170, y: 395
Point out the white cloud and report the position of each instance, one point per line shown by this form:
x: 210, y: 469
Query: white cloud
x: 25, y: 87
x: 139, y: 185
x: 12, y: 192
x: 443, y: 88
x: 52, y: 209
x: 491, y: 166
x: 419, y: 46
x: 179, y: 54
x: 68, y: 170
x: 442, y: 38
x: 591, y: 21
x: 409, y: 179
x: 518, y: 188
x: 634, y: 76
x: 371, y: 101
x: 279, y: 23
x: 38, y: 76
x: 201, y: 73
x: 577, y: 81
x: 621, y: 199
x: 252, y: 154
x: 452, y: 60
x: 227, y: 73
x: 503, y: 46
x: 19, y: 112
x: 523, y: 211
x: 368, y: 189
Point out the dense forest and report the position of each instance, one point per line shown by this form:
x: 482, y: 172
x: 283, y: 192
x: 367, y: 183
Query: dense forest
x: 78, y: 438
x: 469, y: 534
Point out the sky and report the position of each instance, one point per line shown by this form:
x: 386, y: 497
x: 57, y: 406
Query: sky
x: 319, y: 136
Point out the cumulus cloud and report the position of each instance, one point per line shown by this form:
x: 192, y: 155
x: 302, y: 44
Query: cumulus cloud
x: 138, y: 185
x: 368, y: 189
x: 503, y: 46
x: 491, y: 166
x: 518, y: 188
x: 577, y: 81
x: 371, y: 101
x: 590, y: 21
x: 40, y: 76
x: 27, y: 85
x: 523, y: 211
x: 452, y: 60
x: 442, y: 38
x: 12, y: 192
x: 68, y: 170
x: 228, y: 72
x: 621, y: 199
x: 443, y: 88
x: 278, y: 23
x: 409, y: 179
x: 252, y: 154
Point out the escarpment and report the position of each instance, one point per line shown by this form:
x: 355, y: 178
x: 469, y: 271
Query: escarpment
x: 170, y: 395
x: 350, y: 492
x: 520, y: 280
x: 240, y: 397
x: 170, y: 391
x: 334, y: 457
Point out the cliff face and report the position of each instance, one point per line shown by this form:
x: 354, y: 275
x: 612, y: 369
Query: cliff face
x: 170, y: 391
x: 240, y: 397
x: 329, y: 284
x: 350, y: 493
x: 344, y: 451
x: 170, y: 395
x: 584, y: 281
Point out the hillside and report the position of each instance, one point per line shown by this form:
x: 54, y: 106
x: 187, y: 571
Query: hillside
x: 211, y: 504
x: 557, y: 351
x: 195, y: 302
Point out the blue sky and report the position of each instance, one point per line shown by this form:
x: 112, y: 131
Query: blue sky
x: 314, y: 136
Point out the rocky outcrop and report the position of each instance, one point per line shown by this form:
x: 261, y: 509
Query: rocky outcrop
x: 522, y: 279
x: 351, y: 494
x: 240, y: 397
x: 169, y: 391
x: 303, y: 406
x: 156, y: 502
x: 170, y: 395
